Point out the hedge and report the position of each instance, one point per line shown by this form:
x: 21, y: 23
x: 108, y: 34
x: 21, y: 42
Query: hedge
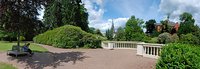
x: 179, y: 56
x: 189, y: 39
x: 69, y: 37
x: 164, y: 38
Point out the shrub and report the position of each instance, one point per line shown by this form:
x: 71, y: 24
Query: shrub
x: 174, y: 38
x: 153, y: 40
x: 179, y: 56
x: 69, y: 37
x: 164, y: 38
x: 21, y: 38
x: 139, y: 37
x: 189, y: 39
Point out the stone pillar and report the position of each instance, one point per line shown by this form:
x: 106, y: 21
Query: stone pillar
x: 110, y: 45
x: 140, y: 49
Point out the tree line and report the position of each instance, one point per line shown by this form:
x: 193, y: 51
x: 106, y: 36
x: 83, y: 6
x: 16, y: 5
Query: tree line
x: 20, y: 17
x: 187, y: 31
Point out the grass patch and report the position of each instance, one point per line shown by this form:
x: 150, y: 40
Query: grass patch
x: 4, y: 46
x: 6, y: 66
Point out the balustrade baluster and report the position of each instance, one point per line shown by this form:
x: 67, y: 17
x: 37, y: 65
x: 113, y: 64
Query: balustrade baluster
x: 155, y: 51
x: 147, y: 50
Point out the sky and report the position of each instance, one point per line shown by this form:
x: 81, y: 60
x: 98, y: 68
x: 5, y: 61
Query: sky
x: 103, y: 12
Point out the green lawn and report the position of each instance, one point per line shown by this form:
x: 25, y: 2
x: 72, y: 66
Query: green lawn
x: 6, y: 66
x: 4, y: 46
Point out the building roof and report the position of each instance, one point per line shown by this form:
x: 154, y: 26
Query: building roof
x: 158, y: 24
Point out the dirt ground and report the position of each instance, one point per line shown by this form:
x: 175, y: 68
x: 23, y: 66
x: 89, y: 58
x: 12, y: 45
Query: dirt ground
x: 58, y: 58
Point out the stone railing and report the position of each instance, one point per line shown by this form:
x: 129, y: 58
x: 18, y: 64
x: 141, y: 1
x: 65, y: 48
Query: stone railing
x: 149, y: 50
x: 143, y: 49
x: 119, y: 45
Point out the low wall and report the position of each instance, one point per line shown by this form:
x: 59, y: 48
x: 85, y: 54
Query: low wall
x: 143, y: 49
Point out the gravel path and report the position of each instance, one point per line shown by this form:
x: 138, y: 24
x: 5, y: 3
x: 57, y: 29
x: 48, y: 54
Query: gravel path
x: 58, y: 58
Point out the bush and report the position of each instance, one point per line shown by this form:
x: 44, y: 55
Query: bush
x: 139, y: 37
x: 189, y: 39
x: 69, y: 37
x: 153, y: 40
x: 164, y: 38
x: 179, y: 56
x: 21, y: 38
x: 174, y: 38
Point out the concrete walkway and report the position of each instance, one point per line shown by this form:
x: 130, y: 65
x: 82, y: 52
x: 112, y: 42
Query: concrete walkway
x: 58, y: 58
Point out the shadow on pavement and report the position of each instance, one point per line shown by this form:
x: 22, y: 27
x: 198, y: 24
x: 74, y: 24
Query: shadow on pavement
x: 49, y: 59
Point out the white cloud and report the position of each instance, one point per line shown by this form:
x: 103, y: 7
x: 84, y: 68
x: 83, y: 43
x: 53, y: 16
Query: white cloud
x: 104, y: 25
x: 177, y: 7
x: 95, y: 15
x: 96, y: 11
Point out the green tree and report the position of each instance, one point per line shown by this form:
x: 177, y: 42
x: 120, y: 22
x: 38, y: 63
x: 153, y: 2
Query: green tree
x: 108, y: 34
x: 134, y: 30
x: 120, y: 34
x: 92, y: 30
x: 112, y: 31
x: 165, y: 26
x: 98, y: 32
x: 150, y: 26
x: 189, y: 39
x: 19, y: 16
x: 187, y: 24
x: 66, y: 12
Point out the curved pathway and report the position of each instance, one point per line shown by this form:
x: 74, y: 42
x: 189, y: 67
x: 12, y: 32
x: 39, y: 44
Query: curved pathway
x: 58, y: 58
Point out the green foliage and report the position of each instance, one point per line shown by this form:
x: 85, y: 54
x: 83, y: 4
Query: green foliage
x: 120, y: 34
x: 98, y: 32
x: 150, y: 26
x: 20, y: 16
x: 110, y: 33
x: 152, y: 40
x: 155, y: 33
x: 8, y: 36
x: 92, y: 30
x: 21, y: 38
x: 164, y: 38
x: 179, y: 56
x: 189, y: 39
x: 187, y: 24
x: 165, y: 26
x: 66, y: 12
x: 174, y: 38
x: 197, y: 33
x: 69, y: 37
x: 133, y: 29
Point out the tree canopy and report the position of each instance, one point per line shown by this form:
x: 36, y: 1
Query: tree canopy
x: 110, y: 32
x: 120, y: 34
x: 187, y: 24
x: 133, y: 28
x: 66, y: 12
x: 20, y: 15
x: 150, y: 26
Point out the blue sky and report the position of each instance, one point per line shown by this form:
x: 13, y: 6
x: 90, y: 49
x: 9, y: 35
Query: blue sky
x: 102, y: 12
x: 145, y: 9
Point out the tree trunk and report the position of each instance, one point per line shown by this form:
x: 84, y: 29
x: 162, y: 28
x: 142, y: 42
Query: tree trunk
x: 18, y: 38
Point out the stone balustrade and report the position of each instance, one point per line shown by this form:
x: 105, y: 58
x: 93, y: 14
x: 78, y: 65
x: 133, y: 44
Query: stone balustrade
x: 143, y: 49
x: 149, y: 50
x: 119, y: 45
